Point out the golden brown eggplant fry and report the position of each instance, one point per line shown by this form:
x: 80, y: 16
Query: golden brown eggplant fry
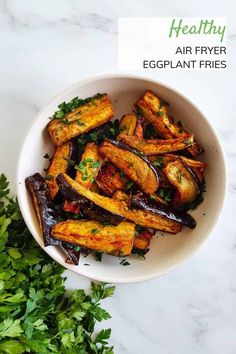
x: 110, y: 179
x: 141, y: 217
x: 116, y: 240
x: 157, y: 146
x: 181, y: 177
x: 86, y: 117
x: 198, y: 167
x: 132, y: 165
x: 155, y: 111
x: 127, y: 125
x: 88, y: 169
x: 89, y: 166
x: 58, y: 164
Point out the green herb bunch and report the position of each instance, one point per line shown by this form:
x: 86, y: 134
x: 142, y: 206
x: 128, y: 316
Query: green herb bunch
x: 37, y: 315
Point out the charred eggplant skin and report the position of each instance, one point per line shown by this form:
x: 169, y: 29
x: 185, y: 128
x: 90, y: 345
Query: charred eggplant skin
x: 43, y: 205
x: 87, y: 207
x: 142, y: 201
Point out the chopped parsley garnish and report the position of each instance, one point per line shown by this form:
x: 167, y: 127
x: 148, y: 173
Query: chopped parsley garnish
x: 129, y: 185
x: 77, y: 248
x: 165, y: 194
x: 69, y: 161
x: 179, y: 175
x: 106, y: 223
x: 139, y: 111
x: 46, y: 156
x: 200, y: 198
x: 159, y: 163
x: 84, y: 167
x: 139, y: 228
x: 98, y: 256
x: 96, y: 164
x: 159, y: 113
x: 163, y: 104
x: 94, y: 231
x: 67, y: 107
x: 141, y: 253
x: 124, y: 262
x: 93, y: 136
x: 122, y: 128
x: 48, y: 177
x: 149, y: 132
x: 80, y: 123
x: 188, y: 141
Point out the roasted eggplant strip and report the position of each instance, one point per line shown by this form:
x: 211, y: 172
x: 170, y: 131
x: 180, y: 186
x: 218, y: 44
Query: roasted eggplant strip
x: 43, y: 205
x: 115, y: 240
x: 141, y: 201
x: 127, y: 125
x: 86, y: 206
x: 143, y: 239
x: 198, y: 167
x: 157, y: 146
x: 87, y: 171
x: 116, y: 207
x: 155, y: 111
x: 58, y: 164
x: 84, y: 118
x: 184, y: 180
x: 89, y: 166
x: 137, y: 168
x: 110, y: 180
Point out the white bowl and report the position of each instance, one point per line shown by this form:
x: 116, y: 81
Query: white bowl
x: 166, y: 250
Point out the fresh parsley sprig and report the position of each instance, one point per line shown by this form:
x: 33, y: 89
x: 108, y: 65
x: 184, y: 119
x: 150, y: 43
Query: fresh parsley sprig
x: 37, y: 315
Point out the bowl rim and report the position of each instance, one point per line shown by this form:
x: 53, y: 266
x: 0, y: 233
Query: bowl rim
x: 136, y: 278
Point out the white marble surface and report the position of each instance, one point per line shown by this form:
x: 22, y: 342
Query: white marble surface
x: 48, y: 45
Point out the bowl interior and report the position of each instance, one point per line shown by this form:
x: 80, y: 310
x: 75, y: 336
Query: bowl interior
x: 166, y: 250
